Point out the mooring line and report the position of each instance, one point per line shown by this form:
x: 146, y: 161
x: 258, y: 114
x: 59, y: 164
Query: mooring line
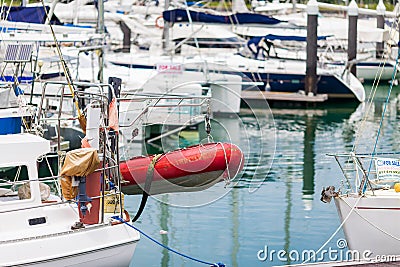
x: 219, y: 264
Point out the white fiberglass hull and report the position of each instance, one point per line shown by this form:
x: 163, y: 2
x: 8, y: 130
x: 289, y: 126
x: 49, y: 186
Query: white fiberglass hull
x: 42, y: 236
x: 282, y: 75
x: 376, y: 72
x: 372, y: 227
x: 92, y: 246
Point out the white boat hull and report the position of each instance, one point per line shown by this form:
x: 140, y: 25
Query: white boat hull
x: 372, y: 227
x: 96, y: 246
x: 282, y: 75
x: 375, y: 72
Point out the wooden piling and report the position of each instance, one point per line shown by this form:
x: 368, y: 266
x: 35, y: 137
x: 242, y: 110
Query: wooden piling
x: 165, y: 33
x: 126, y: 43
x: 310, y: 82
x: 352, y: 37
x: 380, y: 24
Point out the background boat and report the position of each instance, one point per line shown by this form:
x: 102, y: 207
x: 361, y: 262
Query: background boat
x: 43, y: 214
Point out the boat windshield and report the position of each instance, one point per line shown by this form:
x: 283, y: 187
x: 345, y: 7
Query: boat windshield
x: 13, y: 184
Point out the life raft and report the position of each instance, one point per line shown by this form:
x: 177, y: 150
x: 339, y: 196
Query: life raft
x: 185, y: 170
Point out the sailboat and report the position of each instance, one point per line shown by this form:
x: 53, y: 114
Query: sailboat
x: 72, y: 217
x: 146, y: 109
x: 369, y: 213
x: 45, y: 224
x: 275, y: 74
x: 289, y: 44
x: 367, y: 201
x: 369, y: 61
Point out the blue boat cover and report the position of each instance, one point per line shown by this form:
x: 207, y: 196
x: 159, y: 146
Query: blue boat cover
x: 181, y: 15
x: 28, y: 14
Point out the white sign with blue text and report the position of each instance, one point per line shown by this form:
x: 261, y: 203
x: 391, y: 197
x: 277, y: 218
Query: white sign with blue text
x: 387, y: 168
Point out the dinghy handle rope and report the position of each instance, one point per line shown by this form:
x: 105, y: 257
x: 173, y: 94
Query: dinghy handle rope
x: 147, y: 185
x: 219, y: 264
x: 207, y: 123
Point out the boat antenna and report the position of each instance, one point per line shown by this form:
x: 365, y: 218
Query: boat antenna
x: 81, y: 116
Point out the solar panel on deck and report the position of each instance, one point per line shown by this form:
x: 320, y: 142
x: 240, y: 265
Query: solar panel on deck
x: 18, y: 53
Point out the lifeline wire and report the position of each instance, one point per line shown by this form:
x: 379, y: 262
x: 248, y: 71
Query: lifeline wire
x: 375, y: 84
x: 383, y: 115
x: 365, y: 117
x: 359, y: 198
x: 219, y: 264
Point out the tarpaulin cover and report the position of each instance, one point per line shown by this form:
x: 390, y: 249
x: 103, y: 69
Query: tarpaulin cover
x: 78, y: 162
x: 181, y: 15
x: 35, y: 14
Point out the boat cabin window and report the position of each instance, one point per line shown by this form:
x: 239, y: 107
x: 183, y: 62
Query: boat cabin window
x: 12, y: 183
x: 15, y: 184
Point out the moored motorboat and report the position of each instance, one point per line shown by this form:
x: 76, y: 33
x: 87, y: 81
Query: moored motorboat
x: 65, y: 218
x: 191, y: 169
x: 42, y: 226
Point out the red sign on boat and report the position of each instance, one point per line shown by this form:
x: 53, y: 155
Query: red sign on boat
x: 171, y: 68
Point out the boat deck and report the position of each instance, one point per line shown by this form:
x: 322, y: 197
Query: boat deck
x: 258, y: 97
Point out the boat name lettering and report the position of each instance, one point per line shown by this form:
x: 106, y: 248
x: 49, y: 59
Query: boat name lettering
x: 187, y: 160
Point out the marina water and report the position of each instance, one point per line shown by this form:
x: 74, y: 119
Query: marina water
x: 275, y: 205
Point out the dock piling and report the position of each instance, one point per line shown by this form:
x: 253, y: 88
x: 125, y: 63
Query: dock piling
x: 352, y: 36
x: 380, y: 24
x: 126, y: 43
x: 310, y: 82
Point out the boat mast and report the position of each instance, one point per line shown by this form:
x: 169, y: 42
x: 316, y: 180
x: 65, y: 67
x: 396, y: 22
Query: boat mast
x: 165, y: 35
x: 100, y: 30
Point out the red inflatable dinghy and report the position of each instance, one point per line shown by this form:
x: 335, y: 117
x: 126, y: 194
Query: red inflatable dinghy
x: 191, y: 169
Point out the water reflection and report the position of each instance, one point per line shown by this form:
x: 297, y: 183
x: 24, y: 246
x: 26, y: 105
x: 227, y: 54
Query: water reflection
x: 288, y: 210
x: 164, y: 226
x: 308, y: 166
x: 235, y: 227
x: 282, y: 213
